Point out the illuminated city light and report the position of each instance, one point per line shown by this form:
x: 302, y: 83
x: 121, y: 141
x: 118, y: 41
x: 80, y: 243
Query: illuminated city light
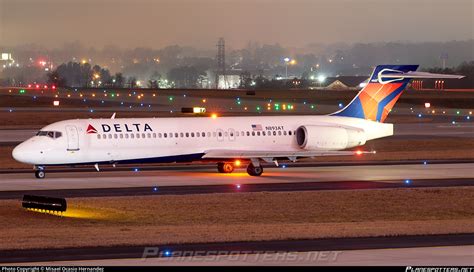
x: 214, y: 115
x: 237, y: 163
x: 427, y: 105
x: 56, y: 103
x: 237, y: 186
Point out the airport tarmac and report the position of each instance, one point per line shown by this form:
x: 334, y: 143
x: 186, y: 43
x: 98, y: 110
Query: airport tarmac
x: 445, y: 249
x: 421, y: 256
x: 199, y: 177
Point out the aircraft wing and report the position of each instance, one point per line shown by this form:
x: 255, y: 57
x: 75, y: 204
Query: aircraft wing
x: 269, y: 155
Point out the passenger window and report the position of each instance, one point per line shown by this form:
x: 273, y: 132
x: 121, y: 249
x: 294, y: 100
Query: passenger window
x: 192, y: 134
x: 176, y: 134
x: 248, y: 133
x: 253, y: 133
x: 279, y: 133
x: 149, y: 135
x: 289, y: 132
x: 214, y: 134
x: 154, y: 135
x: 126, y: 136
x: 203, y: 134
x: 187, y: 134
x: 231, y: 134
x: 181, y: 135
x: 121, y: 136
x: 98, y: 136
x: 110, y: 136
x: 263, y: 133
x: 132, y: 136
x: 274, y: 133
x: 220, y: 134
x: 208, y: 134
x: 171, y: 135
x: 159, y: 135
x: 284, y: 132
x: 198, y: 134
x: 115, y: 136
x: 258, y: 133
x: 165, y: 135
x: 138, y: 135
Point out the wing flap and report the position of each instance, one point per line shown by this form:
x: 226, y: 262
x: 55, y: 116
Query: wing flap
x: 270, y: 154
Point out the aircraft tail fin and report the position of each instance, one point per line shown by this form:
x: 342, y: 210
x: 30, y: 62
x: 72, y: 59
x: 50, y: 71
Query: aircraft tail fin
x: 386, y: 84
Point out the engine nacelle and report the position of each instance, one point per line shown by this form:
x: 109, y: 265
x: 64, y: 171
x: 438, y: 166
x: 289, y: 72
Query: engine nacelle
x: 325, y: 137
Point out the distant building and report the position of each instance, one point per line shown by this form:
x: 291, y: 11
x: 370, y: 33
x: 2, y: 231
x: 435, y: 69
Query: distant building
x: 229, y: 82
x: 6, y: 60
x: 340, y: 83
x: 442, y: 84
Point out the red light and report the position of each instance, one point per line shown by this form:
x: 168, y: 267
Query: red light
x: 54, y: 87
x: 29, y: 85
x: 46, y: 86
x: 358, y: 152
x: 37, y: 86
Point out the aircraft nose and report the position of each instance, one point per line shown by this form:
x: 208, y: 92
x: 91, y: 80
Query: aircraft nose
x: 19, y: 153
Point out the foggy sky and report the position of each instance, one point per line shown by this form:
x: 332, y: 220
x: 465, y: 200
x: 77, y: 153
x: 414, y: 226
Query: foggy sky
x: 148, y: 23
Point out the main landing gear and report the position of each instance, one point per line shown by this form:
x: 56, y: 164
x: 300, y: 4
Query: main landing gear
x: 39, y: 172
x: 254, y: 168
x: 225, y: 167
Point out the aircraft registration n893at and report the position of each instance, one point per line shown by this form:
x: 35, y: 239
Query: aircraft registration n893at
x: 252, y: 139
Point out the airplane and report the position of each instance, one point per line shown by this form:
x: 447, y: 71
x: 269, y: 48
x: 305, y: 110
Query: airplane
x: 225, y: 140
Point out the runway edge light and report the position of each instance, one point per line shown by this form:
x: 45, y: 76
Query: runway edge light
x: 45, y: 203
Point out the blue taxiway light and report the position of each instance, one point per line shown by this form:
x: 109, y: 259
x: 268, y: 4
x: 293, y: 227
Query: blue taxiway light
x: 167, y: 253
x: 407, y: 181
x: 419, y: 115
x: 135, y: 170
x: 425, y: 162
x: 155, y: 189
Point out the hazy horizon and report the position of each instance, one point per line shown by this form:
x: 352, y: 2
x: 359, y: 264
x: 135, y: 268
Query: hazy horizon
x: 156, y: 24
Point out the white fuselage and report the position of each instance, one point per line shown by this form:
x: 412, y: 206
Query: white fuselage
x: 86, y: 141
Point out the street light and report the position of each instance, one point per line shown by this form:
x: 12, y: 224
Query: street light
x: 287, y: 60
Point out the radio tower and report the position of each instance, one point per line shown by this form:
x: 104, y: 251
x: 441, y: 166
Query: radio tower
x: 221, y: 62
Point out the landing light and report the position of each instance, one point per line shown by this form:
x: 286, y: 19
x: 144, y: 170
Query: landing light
x: 358, y: 152
x: 214, y: 116
x: 237, y: 163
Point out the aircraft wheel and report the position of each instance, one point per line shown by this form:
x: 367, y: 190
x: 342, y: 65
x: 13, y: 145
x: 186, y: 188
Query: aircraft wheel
x: 40, y: 174
x: 225, y: 167
x: 254, y: 171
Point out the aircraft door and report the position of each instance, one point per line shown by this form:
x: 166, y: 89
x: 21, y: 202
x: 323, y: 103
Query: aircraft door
x: 72, y: 138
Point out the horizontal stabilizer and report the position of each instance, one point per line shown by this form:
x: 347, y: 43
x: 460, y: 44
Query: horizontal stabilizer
x: 393, y: 76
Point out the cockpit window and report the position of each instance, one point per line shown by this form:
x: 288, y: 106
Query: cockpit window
x: 50, y: 134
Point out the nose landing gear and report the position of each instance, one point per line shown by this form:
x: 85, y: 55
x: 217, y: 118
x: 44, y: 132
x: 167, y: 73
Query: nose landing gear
x: 39, y: 172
